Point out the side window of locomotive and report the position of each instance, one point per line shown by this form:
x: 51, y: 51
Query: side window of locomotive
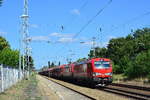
x: 84, y: 67
x: 76, y: 68
x: 70, y: 68
x: 89, y: 67
x: 80, y: 68
x: 66, y: 68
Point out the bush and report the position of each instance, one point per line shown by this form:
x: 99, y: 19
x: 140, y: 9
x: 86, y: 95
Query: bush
x: 117, y: 69
x: 9, y: 57
x: 140, y: 67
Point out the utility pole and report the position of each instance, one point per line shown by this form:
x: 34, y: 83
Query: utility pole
x: 25, y: 38
x: 93, y: 45
x: 70, y: 56
x: 20, y: 64
x: 100, y: 37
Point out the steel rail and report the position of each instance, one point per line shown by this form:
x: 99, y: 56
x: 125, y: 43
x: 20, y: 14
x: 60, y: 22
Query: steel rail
x: 90, y: 97
x: 130, y: 91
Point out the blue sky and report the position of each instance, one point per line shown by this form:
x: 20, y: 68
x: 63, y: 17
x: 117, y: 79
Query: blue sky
x: 47, y: 17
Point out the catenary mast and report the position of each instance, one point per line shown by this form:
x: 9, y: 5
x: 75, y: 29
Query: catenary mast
x: 24, y: 45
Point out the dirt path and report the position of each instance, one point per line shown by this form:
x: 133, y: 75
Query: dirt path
x: 45, y: 90
x: 36, y: 88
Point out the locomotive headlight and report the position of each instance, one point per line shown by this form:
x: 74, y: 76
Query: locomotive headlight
x: 95, y: 74
x: 109, y: 74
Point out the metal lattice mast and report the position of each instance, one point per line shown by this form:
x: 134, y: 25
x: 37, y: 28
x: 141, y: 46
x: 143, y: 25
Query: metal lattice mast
x: 25, y: 36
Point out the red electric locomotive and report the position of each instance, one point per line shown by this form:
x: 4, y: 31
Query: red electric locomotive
x: 68, y: 72
x: 57, y: 71
x: 96, y: 71
x: 61, y: 71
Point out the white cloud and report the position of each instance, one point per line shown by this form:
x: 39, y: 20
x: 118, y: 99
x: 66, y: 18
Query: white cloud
x: 104, y: 44
x: 55, y: 34
x: 111, y: 37
x: 60, y: 35
x: 97, y: 44
x: 3, y: 33
x: 75, y: 12
x: 63, y: 37
x: 39, y: 38
x: 66, y: 40
x: 57, y: 37
x: 88, y: 43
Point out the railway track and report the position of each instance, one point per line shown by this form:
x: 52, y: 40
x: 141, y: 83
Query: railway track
x: 130, y: 91
x: 132, y: 86
x: 90, y: 97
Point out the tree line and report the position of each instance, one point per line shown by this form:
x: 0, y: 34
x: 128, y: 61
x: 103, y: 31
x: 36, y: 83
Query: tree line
x: 130, y: 54
x: 10, y: 57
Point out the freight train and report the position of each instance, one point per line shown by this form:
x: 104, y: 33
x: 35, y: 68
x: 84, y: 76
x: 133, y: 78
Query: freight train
x: 95, y: 71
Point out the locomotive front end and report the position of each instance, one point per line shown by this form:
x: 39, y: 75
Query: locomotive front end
x: 102, y: 71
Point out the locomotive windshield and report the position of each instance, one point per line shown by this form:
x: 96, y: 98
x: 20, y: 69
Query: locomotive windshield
x: 102, y: 64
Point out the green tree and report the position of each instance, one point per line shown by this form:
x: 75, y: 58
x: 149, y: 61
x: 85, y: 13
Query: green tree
x: 91, y: 54
x: 140, y: 67
x: 49, y: 64
x: 115, y: 51
x: 139, y: 32
x: 59, y: 63
x: 116, y: 68
x: 128, y: 53
x: 9, y: 57
x: 31, y: 63
x: 81, y: 59
x: 3, y: 43
x: 52, y: 64
x: 99, y: 52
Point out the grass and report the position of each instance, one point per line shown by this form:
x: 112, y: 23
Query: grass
x: 31, y: 90
x: 118, y: 77
x: 23, y: 90
x: 15, y: 92
x: 123, y: 78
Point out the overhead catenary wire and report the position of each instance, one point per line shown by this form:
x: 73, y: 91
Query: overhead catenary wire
x: 89, y: 22
x: 138, y: 17
x: 74, y: 18
x: 132, y: 20
x: 85, y: 3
